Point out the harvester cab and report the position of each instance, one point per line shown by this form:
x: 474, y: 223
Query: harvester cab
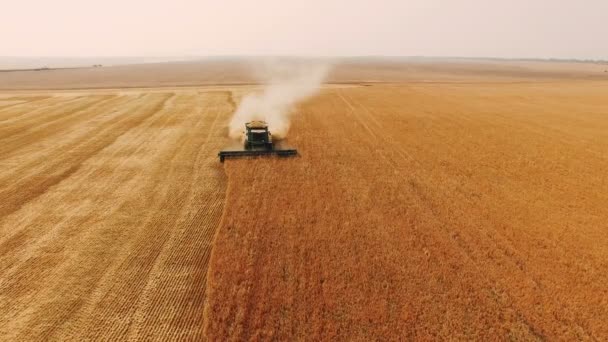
x: 258, y: 142
x: 257, y: 135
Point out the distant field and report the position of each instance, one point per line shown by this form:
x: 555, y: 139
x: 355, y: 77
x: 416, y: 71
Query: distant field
x: 350, y: 70
x: 457, y: 201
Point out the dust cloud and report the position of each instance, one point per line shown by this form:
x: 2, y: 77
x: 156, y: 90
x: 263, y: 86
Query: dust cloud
x: 285, y: 84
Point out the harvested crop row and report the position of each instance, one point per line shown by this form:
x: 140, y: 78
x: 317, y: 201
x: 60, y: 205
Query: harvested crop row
x: 107, y: 215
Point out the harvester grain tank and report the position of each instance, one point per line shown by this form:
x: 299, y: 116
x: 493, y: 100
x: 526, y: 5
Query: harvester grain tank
x: 258, y: 142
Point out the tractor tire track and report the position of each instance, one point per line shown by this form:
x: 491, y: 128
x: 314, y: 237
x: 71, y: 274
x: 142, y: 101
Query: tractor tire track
x: 27, y: 101
x: 13, y: 143
x: 19, y: 193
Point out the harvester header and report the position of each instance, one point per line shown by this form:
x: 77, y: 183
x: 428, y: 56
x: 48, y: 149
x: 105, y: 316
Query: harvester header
x: 258, y: 142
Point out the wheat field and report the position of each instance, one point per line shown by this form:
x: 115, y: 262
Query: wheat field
x: 443, y: 211
x: 467, y: 207
x: 109, y: 203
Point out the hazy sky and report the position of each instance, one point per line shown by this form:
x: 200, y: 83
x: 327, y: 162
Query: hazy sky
x: 498, y: 28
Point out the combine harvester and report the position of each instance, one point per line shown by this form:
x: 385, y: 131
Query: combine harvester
x: 258, y: 142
